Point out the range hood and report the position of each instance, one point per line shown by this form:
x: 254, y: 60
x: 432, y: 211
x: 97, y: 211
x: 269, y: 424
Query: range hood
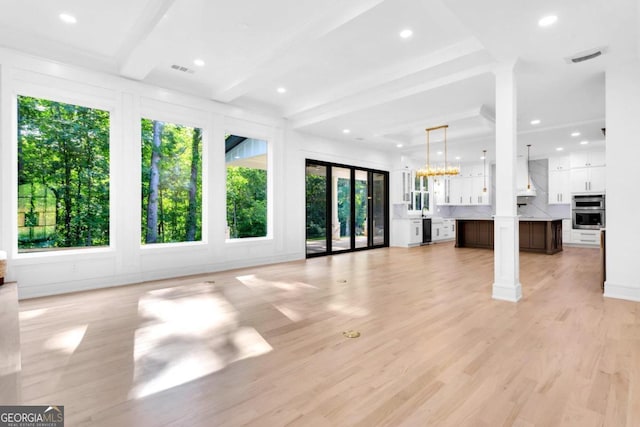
x: 527, y: 191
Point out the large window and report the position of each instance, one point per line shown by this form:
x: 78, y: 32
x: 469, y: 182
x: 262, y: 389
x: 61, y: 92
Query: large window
x: 171, y: 182
x: 63, y: 175
x: 246, y: 160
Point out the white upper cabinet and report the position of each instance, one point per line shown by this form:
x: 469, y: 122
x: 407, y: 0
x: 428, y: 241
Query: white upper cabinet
x: 559, y: 163
x: 588, y: 172
x: 559, y: 180
x: 465, y: 189
x: 587, y: 159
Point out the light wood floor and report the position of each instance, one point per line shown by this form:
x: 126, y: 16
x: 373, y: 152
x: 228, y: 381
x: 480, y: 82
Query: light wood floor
x: 264, y: 346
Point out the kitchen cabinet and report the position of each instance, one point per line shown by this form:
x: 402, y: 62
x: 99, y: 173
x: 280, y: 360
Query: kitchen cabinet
x: 588, y: 172
x: 440, y: 191
x: 536, y: 235
x: 585, y: 237
x: 442, y: 229
x: 475, y: 234
x: 401, y: 185
x: 532, y: 235
x: 566, y: 231
x: 464, y: 189
x: 406, y: 232
x: 587, y: 159
x: 590, y: 179
x: 559, y: 186
x: 560, y: 163
x: 410, y: 189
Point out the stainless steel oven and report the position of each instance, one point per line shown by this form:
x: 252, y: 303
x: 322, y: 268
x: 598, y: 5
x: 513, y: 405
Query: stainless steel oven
x: 590, y: 202
x: 588, y: 212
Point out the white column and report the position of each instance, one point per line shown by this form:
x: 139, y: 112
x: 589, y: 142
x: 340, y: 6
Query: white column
x: 506, y: 284
x: 622, y: 204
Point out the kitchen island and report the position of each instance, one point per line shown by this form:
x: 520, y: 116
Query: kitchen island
x: 543, y: 235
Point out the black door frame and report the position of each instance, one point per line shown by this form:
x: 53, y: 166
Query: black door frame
x: 328, y: 213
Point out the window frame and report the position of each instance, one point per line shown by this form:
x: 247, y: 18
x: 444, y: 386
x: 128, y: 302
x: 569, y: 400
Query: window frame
x: 176, y: 114
x: 74, y: 94
x: 259, y: 132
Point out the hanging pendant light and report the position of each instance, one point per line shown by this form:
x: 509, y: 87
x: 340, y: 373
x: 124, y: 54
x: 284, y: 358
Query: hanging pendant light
x: 528, y: 169
x: 446, y: 170
x: 484, y: 170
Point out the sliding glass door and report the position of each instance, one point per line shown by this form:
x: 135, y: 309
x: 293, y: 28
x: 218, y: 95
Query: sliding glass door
x: 345, y: 207
x: 317, y: 209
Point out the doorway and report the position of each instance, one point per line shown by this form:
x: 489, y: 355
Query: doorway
x: 346, y: 208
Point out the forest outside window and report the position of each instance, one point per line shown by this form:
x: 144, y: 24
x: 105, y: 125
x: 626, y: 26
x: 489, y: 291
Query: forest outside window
x: 246, y: 161
x: 171, y: 182
x: 63, y: 175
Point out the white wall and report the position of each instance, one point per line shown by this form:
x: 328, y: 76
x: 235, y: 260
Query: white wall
x: 126, y: 261
x: 623, y: 203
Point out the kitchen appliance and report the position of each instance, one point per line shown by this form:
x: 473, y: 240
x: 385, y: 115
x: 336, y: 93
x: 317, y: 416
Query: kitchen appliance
x: 588, y: 212
x: 589, y: 202
x: 426, y: 231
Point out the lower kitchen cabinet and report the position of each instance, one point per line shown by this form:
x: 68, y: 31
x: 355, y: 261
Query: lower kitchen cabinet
x: 544, y: 236
x: 442, y: 229
x: 585, y: 237
x: 406, y: 232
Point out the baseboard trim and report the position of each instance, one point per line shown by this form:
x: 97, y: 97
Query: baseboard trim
x: 27, y: 291
x: 629, y: 293
x: 511, y: 293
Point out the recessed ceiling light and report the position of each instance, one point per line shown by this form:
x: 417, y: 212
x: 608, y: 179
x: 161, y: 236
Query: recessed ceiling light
x: 585, y: 142
x: 439, y: 153
x: 574, y: 134
x: 346, y: 131
x: 482, y: 157
x: 559, y: 149
x: 281, y: 90
x: 535, y: 122
x: 547, y: 20
x: 405, y: 34
x: 199, y: 62
x: 458, y: 157
x: 67, y: 18
x: 399, y: 145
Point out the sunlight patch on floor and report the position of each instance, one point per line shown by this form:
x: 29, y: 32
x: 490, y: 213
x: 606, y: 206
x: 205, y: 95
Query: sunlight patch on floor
x: 67, y: 341
x: 32, y: 314
x: 289, y: 298
x: 188, y: 335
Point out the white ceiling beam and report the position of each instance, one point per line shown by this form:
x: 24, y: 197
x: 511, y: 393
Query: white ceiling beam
x: 389, y: 74
x: 429, y: 122
x: 138, y: 54
x: 381, y: 96
x: 281, y: 56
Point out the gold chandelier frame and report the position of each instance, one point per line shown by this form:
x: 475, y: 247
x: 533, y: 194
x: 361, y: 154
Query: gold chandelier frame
x: 438, y: 171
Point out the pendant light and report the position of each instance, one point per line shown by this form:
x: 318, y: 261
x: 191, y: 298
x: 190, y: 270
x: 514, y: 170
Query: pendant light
x: 484, y: 170
x: 528, y: 169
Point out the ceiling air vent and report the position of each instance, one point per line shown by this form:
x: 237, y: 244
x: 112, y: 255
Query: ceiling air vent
x: 183, y: 69
x: 586, y: 55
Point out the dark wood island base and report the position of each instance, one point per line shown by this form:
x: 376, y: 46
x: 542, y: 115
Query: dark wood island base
x: 536, y: 235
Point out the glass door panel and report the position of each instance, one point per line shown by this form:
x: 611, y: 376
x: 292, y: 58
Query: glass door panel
x: 361, y: 208
x: 340, y: 209
x: 316, y: 197
x: 379, y: 207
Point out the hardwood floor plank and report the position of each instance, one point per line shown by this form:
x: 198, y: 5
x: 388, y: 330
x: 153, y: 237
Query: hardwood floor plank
x: 264, y: 346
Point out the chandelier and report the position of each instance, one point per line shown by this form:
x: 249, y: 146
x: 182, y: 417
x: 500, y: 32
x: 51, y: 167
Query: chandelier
x: 438, y: 171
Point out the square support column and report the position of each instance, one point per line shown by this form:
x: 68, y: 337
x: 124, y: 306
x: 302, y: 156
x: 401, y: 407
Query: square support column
x: 506, y: 284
